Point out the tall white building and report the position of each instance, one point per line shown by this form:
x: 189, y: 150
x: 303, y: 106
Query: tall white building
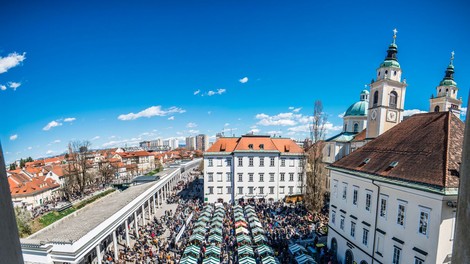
x: 190, y: 143
x: 253, y: 166
x: 202, y: 142
x: 393, y: 200
x: 172, y: 143
x: 446, y: 99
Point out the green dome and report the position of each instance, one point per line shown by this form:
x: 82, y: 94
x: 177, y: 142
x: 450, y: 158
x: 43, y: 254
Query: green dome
x: 447, y: 82
x: 390, y: 63
x: 357, y: 109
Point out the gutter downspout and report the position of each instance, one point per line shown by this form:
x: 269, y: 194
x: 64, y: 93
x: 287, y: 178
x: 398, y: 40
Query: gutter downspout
x: 375, y: 222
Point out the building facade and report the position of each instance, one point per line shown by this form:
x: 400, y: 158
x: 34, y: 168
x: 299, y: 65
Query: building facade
x: 252, y: 166
x: 393, y: 200
x: 202, y: 142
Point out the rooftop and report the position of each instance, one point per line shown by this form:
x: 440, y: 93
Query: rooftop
x: 255, y: 143
x: 425, y: 149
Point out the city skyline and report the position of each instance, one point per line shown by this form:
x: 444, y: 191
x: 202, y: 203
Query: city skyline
x: 128, y: 74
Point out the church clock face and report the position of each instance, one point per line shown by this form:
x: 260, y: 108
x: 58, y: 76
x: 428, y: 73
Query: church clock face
x: 373, y: 115
x: 391, y: 116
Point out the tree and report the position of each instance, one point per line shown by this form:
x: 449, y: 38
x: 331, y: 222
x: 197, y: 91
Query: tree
x: 107, y: 171
x: 78, y: 169
x: 13, y: 166
x: 23, y: 221
x: 316, y: 172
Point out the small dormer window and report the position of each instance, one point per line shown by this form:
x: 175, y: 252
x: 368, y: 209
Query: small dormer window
x: 393, y: 164
x: 366, y: 160
x: 379, y: 73
x: 261, y: 146
x: 386, y: 72
x: 250, y: 146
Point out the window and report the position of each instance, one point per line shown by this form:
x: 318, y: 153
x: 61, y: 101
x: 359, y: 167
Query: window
x: 229, y: 177
x: 418, y: 261
x: 291, y: 189
x: 271, y: 189
x: 219, y: 176
x: 333, y: 216
x: 219, y: 162
x: 240, y: 190
x: 210, y: 177
x: 282, y: 176
x: 368, y: 200
x: 355, y: 194
x: 271, y: 177
x: 261, y: 146
x: 219, y: 190
x: 240, y: 177
x: 281, y: 190
x: 300, y: 177
x: 250, y: 146
x: 345, y: 190
x: 211, y: 163
x: 365, y: 236
x: 229, y: 162
x: 383, y: 207
x: 261, y: 190
x: 335, y: 188
x: 229, y: 189
x: 341, y: 223
x: 436, y: 109
x: 401, y: 214
x: 283, y: 162
x: 353, y: 229
x: 379, y: 246
x: 250, y: 190
x: 250, y: 177
x: 261, y: 177
x: 211, y: 190
x: 271, y: 162
x: 240, y: 162
x: 291, y: 162
x: 250, y: 162
x: 424, y: 222
x: 396, y: 255
x: 356, y: 127
x: 376, y: 98
x: 393, y: 99
x: 261, y: 162
x: 291, y: 176
x: 329, y: 150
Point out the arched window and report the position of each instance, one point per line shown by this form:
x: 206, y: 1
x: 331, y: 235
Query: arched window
x: 349, y: 258
x: 393, y: 99
x: 345, y: 127
x: 436, y: 109
x: 363, y: 262
x: 334, y: 247
x: 376, y: 98
x: 356, y: 127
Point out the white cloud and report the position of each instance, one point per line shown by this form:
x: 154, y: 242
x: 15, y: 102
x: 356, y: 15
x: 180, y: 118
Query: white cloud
x: 411, y: 112
x: 171, y: 118
x: 219, y: 92
x: 282, y: 119
x: 243, y: 80
x: 56, y: 141
x: 341, y: 115
x: 150, y: 112
x: 96, y: 138
x: 464, y: 111
x: 13, y: 137
x: 329, y: 127
x: 50, y: 152
x: 121, y: 143
x: 274, y: 132
x: 193, y: 131
x: 14, y: 85
x: 227, y: 124
x: 51, y: 125
x: 12, y: 60
x: 70, y: 119
x: 3, y: 87
x: 291, y: 108
x: 254, y: 130
x: 209, y: 112
x: 30, y: 148
x: 301, y: 128
x: 197, y: 92
x: 295, y: 110
x: 191, y: 125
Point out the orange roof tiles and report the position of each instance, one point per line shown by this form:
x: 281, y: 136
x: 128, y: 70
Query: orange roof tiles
x: 255, y: 143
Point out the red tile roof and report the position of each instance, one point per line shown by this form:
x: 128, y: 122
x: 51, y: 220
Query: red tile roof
x: 35, y: 185
x: 426, y: 147
x: 255, y: 143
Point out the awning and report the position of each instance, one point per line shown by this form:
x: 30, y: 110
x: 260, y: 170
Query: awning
x: 294, y: 249
x: 193, y: 249
x: 305, y: 259
x: 245, y: 250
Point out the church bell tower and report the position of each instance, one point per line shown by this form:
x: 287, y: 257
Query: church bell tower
x: 387, y: 94
x: 446, y: 99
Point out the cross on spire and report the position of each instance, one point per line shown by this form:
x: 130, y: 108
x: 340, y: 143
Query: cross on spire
x: 394, y: 34
x: 452, y: 57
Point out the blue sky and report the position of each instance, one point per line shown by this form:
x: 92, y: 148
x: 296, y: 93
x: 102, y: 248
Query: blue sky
x: 81, y: 68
